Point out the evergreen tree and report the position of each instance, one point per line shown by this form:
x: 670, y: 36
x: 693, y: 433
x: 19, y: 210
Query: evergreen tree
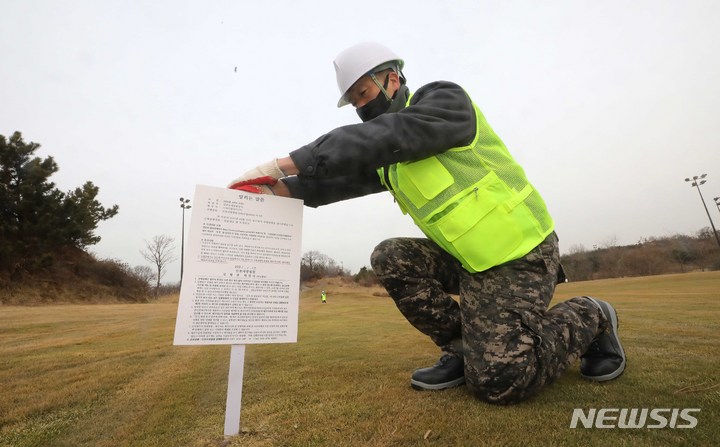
x: 36, y: 219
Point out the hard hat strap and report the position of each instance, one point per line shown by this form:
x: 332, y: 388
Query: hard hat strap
x: 383, y: 86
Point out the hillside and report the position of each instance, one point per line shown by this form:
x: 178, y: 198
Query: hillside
x: 650, y: 256
x: 72, y: 276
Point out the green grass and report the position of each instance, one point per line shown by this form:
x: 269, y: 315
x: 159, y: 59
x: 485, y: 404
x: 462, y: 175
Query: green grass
x: 108, y: 375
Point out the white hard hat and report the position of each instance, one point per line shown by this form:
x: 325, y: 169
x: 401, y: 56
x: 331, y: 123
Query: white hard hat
x: 359, y: 60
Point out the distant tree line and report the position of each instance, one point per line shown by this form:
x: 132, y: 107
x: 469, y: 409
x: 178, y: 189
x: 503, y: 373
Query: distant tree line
x: 650, y: 256
x: 366, y: 277
x: 315, y: 265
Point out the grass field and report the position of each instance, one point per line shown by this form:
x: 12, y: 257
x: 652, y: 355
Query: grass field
x: 108, y: 375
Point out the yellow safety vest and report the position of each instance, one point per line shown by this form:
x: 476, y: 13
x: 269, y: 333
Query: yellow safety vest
x: 474, y: 201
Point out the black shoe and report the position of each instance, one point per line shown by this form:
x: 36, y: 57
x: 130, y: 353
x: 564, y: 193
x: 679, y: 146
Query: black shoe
x: 605, y: 358
x: 446, y: 373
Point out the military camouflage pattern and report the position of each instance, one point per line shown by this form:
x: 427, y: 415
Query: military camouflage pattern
x: 512, y: 343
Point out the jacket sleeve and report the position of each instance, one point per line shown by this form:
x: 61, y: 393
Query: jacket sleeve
x: 322, y: 191
x: 440, y: 116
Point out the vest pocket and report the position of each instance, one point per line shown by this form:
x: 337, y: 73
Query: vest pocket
x: 421, y: 181
x: 481, y: 230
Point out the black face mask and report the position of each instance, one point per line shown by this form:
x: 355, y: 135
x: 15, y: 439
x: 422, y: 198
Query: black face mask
x: 377, y: 106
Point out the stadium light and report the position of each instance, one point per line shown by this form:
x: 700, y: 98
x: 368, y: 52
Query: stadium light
x: 717, y: 202
x: 184, y: 205
x: 694, y: 182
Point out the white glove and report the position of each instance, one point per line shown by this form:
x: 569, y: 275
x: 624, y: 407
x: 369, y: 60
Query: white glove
x: 261, y: 173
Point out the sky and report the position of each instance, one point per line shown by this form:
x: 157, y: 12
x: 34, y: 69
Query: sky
x: 608, y: 105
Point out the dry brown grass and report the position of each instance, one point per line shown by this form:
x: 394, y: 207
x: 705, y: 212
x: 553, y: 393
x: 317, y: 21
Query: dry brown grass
x: 89, y: 375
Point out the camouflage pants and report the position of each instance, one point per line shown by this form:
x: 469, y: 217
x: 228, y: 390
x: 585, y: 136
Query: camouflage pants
x: 513, y: 345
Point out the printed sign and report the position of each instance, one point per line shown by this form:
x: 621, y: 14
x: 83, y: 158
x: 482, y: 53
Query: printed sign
x: 241, y: 279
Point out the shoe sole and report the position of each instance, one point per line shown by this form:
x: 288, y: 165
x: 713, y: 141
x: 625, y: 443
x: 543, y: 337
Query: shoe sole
x: 436, y: 386
x: 611, y: 313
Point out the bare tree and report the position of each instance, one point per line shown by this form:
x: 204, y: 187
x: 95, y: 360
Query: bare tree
x: 159, y: 252
x: 313, y: 259
x: 576, y: 249
x: 144, y: 273
x: 609, y: 242
x: 315, y: 265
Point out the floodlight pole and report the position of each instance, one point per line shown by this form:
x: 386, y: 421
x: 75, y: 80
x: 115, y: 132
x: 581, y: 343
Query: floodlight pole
x: 694, y: 182
x: 717, y: 202
x: 184, y: 205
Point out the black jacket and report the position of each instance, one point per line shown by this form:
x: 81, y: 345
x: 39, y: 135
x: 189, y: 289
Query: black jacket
x: 343, y: 163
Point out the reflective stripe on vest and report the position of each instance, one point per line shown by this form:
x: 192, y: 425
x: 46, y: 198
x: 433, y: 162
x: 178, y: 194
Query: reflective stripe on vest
x: 474, y: 201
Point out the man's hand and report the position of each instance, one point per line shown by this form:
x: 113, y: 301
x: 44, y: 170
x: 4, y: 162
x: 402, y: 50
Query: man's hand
x: 260, y: 175
x: 264, y: 178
